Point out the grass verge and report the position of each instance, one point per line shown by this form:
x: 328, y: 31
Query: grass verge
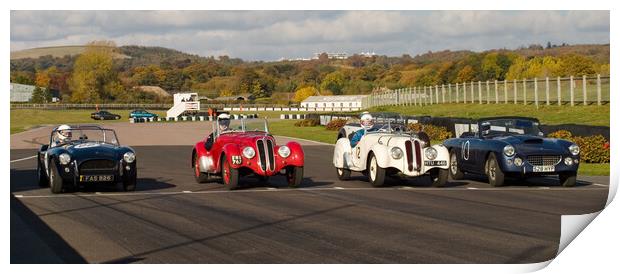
x: 550, y: 115
x: 24, y: 119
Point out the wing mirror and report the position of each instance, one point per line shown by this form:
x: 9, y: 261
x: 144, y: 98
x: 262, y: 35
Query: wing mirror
x: 44, y: 147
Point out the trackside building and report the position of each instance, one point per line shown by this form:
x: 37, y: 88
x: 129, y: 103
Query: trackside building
x: 333, y: 103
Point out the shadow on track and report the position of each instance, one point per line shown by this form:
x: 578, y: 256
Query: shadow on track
x: 33, y: 241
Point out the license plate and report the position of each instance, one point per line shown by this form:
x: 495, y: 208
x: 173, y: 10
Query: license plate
x: 544, y: 168
x: 435, y: 163
x: 96, y: 178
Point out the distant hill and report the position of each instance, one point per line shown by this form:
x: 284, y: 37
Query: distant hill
x: 57, y: 52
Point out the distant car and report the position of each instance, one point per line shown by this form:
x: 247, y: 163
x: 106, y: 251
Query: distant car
x: 87, y: 155
x: 503, y: 147
x: 141, y: 113
x: 104, y: 115
x: 246, y: 148
x: 391, y: 150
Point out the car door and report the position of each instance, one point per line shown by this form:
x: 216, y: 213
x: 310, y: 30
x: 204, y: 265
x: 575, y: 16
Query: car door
x: 467, y: 154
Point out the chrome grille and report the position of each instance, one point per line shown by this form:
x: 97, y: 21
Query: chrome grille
x: 544, y: 160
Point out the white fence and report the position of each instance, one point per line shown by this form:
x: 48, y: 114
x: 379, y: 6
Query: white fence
x: 558, y: 91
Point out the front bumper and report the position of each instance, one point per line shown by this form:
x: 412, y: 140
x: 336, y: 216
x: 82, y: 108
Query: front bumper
x: 527, y: 169
x: 122, y: 172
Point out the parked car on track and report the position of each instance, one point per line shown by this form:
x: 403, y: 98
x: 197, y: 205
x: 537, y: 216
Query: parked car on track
x: 391, y: 150
x: 246, y: 148
x: 141, y: 113
x: 85, y: 155
x: 501, y: 147
x: 104, y: 115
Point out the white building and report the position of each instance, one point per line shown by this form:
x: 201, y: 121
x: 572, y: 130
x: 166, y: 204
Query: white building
x: 335, y: 102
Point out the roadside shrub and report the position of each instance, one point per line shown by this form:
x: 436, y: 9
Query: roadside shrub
x: 594, y: 149
x: 307, y: 123
x: 560, y: 134
x: 436, y: 133
x: 335, y: 124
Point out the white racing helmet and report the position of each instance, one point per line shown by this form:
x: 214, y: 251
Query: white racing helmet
x: 367, y: 121
x: 223, y: 121
x: 63, y: 132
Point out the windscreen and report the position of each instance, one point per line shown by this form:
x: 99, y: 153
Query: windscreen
x: 74, y: 135
x: 510, y: 127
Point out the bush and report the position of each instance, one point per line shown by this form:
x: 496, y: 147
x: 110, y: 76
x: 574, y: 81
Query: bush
x: 335, y: 124
x: 436, y: 133
x: 307, y: 123
x: 594, y: 149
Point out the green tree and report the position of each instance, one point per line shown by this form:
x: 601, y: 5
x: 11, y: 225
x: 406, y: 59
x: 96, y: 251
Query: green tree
x: 92, y: 71
x: 333, y: 82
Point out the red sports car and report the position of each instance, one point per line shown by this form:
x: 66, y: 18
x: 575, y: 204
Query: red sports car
x: 234, y: 151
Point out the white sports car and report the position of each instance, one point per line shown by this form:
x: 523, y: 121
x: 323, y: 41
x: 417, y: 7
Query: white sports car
x: 386, y: 152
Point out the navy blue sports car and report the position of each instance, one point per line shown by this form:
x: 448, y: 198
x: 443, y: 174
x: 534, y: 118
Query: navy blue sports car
x: 512, y: 147
x: 85, y: 155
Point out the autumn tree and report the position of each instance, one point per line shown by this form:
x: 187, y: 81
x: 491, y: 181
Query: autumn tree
x: 305, y: 92
x: 466, y: 74
x: 93, y: 71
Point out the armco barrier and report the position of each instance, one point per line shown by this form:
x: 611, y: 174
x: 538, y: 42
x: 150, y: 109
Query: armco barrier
x: 189, y: 118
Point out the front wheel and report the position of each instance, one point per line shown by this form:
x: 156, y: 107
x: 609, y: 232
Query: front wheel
x: 42, y: 176
x: 376, y: 174
x: 199, y: 176
x: 494, y: 172
x: 439, y: 177
x: 294, y: 175
x: 130, y: 183
x: 343, y: 174
x: 455, y: 171
x: 230, y: 175
x: 568, y: 179
x: 56, y: 183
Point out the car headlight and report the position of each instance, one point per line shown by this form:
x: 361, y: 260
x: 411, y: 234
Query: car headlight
x: 430, y: 153
x: 129, y: 157
x: 568, y: 161
x: 518, y: 161
x: 574, y: 149
x: 396, y: 152
x: 509, y: 150
x: 248, y: 152
x: 284, y: 151
x: 64, y: 158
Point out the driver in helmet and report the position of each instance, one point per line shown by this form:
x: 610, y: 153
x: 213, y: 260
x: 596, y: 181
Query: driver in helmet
x: 223, y: 123
x: 63, y: 135
x: 367, y: 122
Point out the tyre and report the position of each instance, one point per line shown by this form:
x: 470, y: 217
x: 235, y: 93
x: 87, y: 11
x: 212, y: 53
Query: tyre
x: 494, y: 172
x: 42, y: 176
x: 198, y: 175
x: 376, y: 174
x: 294, y: 175
x: 343, y: 174
x: 455, y: 171
x: 568, y: 179
x: 56, y: 182
x: 230, y: 175
x: 130, y: 183
x: 439, y: 177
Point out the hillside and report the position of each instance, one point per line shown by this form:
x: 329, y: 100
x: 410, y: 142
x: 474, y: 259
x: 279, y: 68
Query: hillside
x: 56, y: 52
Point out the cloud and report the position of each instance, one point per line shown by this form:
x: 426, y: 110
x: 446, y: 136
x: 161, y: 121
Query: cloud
x: 269, y: 35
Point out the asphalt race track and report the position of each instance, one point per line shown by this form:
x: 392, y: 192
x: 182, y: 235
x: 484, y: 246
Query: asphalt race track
x: 172, y: 219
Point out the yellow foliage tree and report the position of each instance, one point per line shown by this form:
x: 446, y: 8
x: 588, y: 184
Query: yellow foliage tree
x: 303, y: 93
x: 92, y: 72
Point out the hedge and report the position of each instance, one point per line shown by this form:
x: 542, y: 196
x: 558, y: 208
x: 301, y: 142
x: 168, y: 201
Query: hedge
x: 336, y: 124
x: 307, y: 123
x: 434, y: 132
x: 593, y: 149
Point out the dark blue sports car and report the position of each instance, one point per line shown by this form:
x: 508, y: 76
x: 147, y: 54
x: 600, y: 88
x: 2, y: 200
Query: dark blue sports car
x: 503, y: 147
x: 83, y: 156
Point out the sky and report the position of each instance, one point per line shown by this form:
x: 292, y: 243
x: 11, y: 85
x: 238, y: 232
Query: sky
x: 271, y: 35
